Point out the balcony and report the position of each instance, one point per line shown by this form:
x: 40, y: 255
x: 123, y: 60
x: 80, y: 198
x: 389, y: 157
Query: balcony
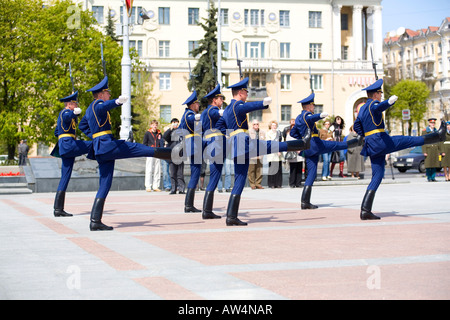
x: 257, y: 65
x: 426, y: 59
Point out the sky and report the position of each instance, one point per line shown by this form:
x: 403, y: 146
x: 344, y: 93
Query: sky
x: 413, y: 14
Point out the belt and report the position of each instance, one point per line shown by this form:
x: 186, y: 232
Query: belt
x: 192, y: 135
x: 216, y: 134
x: 101, y: 133
x: 373, y: 132
x: 235, y: 132
x: 314, y: 135
x: 66, y: 135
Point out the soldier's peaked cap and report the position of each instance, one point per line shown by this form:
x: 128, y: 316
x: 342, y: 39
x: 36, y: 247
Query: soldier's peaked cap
x: 101, y: 86
x: 73, y: 97
x: 309, y: 99
x: 243, y: 84
x: 376, y: 86
x: 192, y: 98
x: 214, y: 93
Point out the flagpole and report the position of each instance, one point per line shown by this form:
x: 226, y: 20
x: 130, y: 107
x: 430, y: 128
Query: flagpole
x: 125, y: 117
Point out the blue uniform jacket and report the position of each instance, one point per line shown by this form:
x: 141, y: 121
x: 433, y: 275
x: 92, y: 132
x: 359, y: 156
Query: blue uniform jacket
x: 68, y: 146
x: 190, y: 130
x: 235, y: 118
x: 96, y: 120
x: 370, y: 123
x: 307, y: 120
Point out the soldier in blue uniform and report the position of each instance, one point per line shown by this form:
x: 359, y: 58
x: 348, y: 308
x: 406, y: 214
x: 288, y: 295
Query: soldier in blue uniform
x: 378, y: 143
x: 307, y: 121
x: 215, y: 147
x: 67, y: 148
x: 96, y: 124
x: 235, y: 123
x: 190, y: 131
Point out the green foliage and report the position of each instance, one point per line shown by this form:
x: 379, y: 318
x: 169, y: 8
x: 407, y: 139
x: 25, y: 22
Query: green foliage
x: 38, y: 42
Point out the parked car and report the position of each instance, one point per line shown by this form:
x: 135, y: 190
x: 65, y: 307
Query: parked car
x: 412, y: 160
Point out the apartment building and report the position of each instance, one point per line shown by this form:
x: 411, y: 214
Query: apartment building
x: 278, y: 41
x: 422, y: 55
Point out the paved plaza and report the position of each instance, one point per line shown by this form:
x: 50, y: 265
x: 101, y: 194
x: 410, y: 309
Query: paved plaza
x: 157, y: 251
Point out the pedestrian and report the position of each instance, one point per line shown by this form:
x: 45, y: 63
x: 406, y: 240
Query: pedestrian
x: 256, y: 163
x: 431, y: 152
x: 295, y: 162
x: 337, y: 128
x: 234, y: 122
x: 377, y: 143
x: 67, y: 148
x: 23, y: 152
x: 190, y: 130
x: 96, y: 124
x: 176, y: 168
x: 307, y: 121
x: 153, y: 138
x: 327, y: 135
x: 445, y: 163
x: 275, y: 160
x: 215, y: 144
x: 355, y: 161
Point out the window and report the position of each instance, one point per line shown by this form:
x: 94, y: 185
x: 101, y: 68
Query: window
x: 224, y: 17
x: 165, y: 113
x: 98, y: 13
x: 164, y: 49
x: 285, y: 50
x: 284, y: 18
x: 316, y: 80
x: 285, y: 82
x: 193, y: 16
x: 318, y: 108
x: 286, y: 112
x: 315, y: 51
x: 138, y: 47
x: 254, y: 15
x: 164, y: 81
x: 344, y: 21
x: 254, y: 49
x: 225, y: 49
x: 255, y: 115
x: 315, y: 19
x: 192, y: 45
x: 164, y: 15
x: 257, y: 80
x: 344, y: 52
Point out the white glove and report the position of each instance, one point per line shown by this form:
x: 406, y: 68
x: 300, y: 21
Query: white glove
x: 77, y: 110
x: 324, y: 115
x: 121, y: 100
x: 392, y: 100
x: 197, y: 116
x: 221, y: 112
x: 267, y: 101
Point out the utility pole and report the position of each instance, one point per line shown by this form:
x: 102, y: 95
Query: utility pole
x: 125, y: 127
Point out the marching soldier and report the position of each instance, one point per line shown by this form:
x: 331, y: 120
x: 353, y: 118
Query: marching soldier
x: 190, y: 131
x: 96, y: 124
x: 307, y: 121
x: 234, y: 121
x: 67, y: 148
x: 215, y: 147
x: 378, y: 143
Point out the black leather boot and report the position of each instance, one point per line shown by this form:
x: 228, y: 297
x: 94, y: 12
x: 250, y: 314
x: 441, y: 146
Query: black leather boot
x: 300, y: 144
x: 437, y: 136
x: 189, y: 201
x: 207, y: 206
x: 96, y: 216
x: 232, y: 211
x: 366, y: 206
x: 358, y: 141
x: 163, y: 153
x: 306, y: 197
x: 59, y: 205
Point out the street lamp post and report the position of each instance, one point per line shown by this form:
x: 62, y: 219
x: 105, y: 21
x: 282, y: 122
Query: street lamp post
x: 125, y: 127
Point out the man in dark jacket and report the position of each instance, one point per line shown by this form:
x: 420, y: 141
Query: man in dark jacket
x: 176, y: 170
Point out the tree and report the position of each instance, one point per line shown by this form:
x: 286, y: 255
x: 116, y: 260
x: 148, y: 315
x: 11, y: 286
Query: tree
x: 412, y: 95
x: 38, y: 42
x: 205, y: 78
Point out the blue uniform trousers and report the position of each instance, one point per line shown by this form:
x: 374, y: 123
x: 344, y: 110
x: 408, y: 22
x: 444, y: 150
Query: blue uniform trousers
x: 106, y: 162
x: 377, y: 162
x: 68, y: 159
x: 317, y: 148
x: 215, y: 151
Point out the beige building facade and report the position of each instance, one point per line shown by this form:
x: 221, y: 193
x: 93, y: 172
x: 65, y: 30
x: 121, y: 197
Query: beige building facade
x: 422, y: 55
x: 278, y: 41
